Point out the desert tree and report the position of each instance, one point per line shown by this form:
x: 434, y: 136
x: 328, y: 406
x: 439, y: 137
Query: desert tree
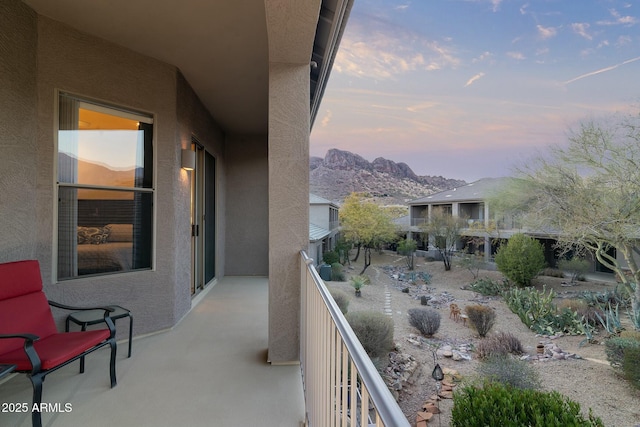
x: 407, y: 247
x: 444, y: 231
x: 587, y: 193
x: 366, y: 225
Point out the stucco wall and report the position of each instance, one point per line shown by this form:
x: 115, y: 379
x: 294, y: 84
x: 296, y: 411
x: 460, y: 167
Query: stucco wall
x: 18, y: 148
x: 40, y: 57
x: 247, y: 210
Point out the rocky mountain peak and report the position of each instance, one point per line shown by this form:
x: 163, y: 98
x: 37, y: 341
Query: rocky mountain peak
x: 341, y: 172
x: 345, y: 160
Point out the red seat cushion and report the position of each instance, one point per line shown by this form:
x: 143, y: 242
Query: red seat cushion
x: 56, y: 349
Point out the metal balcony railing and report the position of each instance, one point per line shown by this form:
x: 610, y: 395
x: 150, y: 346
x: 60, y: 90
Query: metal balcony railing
x: 342, y: 387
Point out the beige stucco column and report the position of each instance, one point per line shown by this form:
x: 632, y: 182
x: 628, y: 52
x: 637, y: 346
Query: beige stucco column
x: 291, y: 28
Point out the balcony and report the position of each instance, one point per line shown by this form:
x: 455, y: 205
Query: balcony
x: 211, y: 370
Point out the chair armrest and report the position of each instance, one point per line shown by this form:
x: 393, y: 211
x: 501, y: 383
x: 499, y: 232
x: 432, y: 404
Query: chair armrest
x: 107, y: 310
x: 28, y: 337
x: 34, y: 359
x: 70, y: 307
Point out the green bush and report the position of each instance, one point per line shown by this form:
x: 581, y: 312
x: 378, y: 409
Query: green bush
x: 512, y: 372
x: 426, y: 320
x: 341, y: 299
x: 616, y: 348
x: 486, y: 286
x: 500, y: 344
x: 374, y: 330
x: 631, y: 366
x: 496, y: 404
x: 330, y: 257
x: 521, y: 259
x: 337, y: 273
x: 481, y: 317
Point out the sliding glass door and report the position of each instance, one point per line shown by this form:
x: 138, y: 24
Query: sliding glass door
x: 203, y: 214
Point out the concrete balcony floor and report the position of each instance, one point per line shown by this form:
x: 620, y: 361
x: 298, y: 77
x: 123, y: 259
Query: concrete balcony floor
x: 209, y: 370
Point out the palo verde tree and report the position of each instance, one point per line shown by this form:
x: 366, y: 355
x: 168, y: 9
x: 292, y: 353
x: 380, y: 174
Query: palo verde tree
x: 588, y: 193
x: 444, y: 231
x: 366, y: 225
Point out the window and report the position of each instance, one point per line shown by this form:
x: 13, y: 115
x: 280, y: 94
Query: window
x: 105, y: 189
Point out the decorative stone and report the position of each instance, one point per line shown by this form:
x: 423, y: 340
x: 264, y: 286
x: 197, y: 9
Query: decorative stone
x: 431, y: 408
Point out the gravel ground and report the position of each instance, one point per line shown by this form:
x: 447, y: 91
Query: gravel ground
x: 589, y: 380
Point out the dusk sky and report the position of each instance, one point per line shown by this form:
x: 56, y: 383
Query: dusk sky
x: 467, y: 89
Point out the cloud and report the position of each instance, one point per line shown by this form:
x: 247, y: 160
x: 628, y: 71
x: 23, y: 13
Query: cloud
x: 327, y: 118
x: 516, y: 55
x: 546, y: 32
x: 618, y: 19
x: 581, y: 28
x: 602, y: 70
x: 402, y: 7
x: 473, y: 79
x: 483, y: 56
x: 380, y: 51
x: 422, y: 106
x: 623, y: 40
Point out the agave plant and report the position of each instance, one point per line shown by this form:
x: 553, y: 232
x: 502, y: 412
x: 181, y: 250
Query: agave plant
x: 358, y: 282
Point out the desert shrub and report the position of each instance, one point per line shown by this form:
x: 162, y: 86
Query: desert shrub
x: 582, y: 308
x: 631, y: 366
x: 496, y: 404
x: 336, y: 272
x: 330, y: 257
x: 374, y: 330
x: 359, y: 281
x: 576, y: 267
x: 486, y: 286
x: 471, y: 262
x: 630, y: 334
x: 537, y: 310
x: 499, y: 344
x: 425, y: 276
x: 521, y: 259
x: 553, y: 272
x: 615, y: 348
x: 426, y: 320
x: 512, y: 372
x: 481, y: 317
x: 341, y: 299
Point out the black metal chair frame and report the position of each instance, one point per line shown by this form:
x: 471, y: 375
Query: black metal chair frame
x: 37, y: 375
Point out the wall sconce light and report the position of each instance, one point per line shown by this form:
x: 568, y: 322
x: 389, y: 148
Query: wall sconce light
x: 188, y: 159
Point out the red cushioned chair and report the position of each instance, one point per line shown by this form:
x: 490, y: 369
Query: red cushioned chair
x: 29, y: 338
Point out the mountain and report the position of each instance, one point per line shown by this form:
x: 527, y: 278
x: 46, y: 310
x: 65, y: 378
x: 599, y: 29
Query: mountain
x: 341, y: 172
